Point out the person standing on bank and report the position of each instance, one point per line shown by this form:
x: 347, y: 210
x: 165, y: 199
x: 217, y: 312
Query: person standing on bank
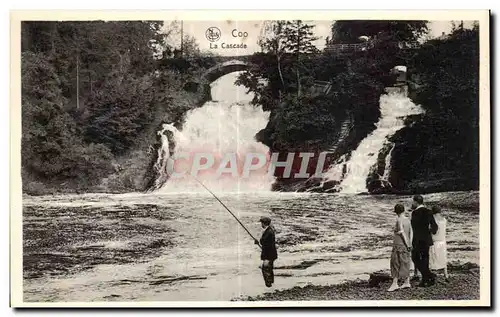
x: 269, y: 254
x: 424, y: 226
x: 438, y: 258
x: 400, y: 256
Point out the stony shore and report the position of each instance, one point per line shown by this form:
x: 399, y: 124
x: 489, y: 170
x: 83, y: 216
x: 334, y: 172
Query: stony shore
x: 463, y: 284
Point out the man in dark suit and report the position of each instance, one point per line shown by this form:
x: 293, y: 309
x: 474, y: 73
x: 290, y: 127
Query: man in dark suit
x: 423, y: 225
x: 269, y: 253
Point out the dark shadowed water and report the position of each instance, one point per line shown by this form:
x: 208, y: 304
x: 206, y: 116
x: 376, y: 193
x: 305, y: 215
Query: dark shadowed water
x: 175, y: 247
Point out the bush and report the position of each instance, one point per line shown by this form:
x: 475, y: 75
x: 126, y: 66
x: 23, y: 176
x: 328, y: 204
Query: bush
x: 304, y: 119
x: 119, y: 112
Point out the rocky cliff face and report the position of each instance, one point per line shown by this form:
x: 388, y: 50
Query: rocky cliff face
x: 421, y: 164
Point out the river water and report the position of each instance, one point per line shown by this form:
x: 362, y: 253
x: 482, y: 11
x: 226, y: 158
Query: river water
x: 179, y: 244
x: 181, y: 247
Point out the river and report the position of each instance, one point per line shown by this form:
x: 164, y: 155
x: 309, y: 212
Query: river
x: 182, y: 247
x: 178, y: 243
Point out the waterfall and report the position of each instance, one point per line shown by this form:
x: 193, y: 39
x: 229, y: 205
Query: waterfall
x: 218, y: 138
x: 336, y: 172
x: 394, y: 108
x: 387, y: 168
x: 163, y: 155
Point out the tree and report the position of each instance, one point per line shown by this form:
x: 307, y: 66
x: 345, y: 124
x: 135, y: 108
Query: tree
x: 84, y: 53
x: 119, y: 111
x: 105, y: 66
x: 284, y: 65
x: 46, y: 130
x: 190, y: 47
x: 444, y: 145
x: 299, y: 41
x: 50, y: 143
x: 273, y: 41
x: 303, y: 119
x: 450, y: 80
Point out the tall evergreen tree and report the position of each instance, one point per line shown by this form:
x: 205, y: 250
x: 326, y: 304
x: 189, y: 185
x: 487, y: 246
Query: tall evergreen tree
x: 273, y: 41
x: 299, y: 41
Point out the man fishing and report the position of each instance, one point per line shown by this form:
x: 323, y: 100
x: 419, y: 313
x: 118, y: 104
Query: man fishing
x: 267, y: 242
x: 269, y: 253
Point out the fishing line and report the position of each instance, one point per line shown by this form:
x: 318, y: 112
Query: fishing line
x: 215, y: 196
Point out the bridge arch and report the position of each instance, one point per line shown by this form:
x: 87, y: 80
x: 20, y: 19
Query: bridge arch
x: 212, y: 74
x: 221, y: 69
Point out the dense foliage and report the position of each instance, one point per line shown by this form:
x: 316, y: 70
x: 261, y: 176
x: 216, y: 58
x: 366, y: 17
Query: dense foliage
x: 93, y: 94
x: 438, y: 152
x: 444, y: 145
x: 290, y: 67
x: 90, y: 89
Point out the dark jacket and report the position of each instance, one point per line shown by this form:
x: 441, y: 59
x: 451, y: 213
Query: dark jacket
x: 268, y: 243
x: 423, y: 225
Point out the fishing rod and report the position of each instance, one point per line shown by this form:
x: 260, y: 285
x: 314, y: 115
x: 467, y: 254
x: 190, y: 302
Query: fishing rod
x: 223, y: 206
x: 226, y: 208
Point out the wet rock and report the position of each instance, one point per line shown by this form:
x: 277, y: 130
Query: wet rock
x: 313, y: 181
x: 317, y: 189
x: 457, y: 266
x: 379, y: 186
x: 330, y: 184
x: 415, y: 156
x: 334, y: 189
x: 378, y: 277
x: 301, y: 189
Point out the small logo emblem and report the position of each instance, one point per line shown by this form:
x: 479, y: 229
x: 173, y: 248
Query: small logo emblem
x: 212, y: 34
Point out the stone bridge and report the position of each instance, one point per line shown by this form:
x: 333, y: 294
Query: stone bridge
x: 229, y: 64
x: 219, y: 70
x: 212, y: 74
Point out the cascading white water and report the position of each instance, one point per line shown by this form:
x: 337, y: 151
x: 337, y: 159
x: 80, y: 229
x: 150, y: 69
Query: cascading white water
x: 387, y: 168
x: 162, y: 156
x: 394, y: 108
x: 336, y: 171
x: 223, y: 128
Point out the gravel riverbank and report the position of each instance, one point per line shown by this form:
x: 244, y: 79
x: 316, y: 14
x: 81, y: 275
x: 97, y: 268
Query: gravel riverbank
x: 463, y: 284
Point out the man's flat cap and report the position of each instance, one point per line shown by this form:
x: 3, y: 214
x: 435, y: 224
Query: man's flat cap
x: 265, y: 220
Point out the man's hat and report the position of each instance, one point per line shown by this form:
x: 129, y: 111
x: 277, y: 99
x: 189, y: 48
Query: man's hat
x: 265, y: 220
x: 436, y: 210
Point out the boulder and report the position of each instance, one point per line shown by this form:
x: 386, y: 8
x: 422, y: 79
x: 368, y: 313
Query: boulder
x: 378, y: 277
x: 330, y: 184
x: 313, y: 181
x: 379, y: 186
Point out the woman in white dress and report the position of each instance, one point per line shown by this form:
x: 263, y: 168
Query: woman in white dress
x: 438, y: 257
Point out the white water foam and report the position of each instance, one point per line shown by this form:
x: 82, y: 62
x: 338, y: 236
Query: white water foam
x: 221, y: 127
x: 394, y: 108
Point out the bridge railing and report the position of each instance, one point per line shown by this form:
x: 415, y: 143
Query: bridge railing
x: 348, y: 47
x: 341, y: 47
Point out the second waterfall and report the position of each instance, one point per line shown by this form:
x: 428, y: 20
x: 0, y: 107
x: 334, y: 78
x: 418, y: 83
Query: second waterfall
x: 395, y: 107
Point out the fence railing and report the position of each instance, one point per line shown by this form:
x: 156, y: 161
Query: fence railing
x: 341, y: 47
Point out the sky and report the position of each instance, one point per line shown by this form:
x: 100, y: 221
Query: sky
x: 250, y: 31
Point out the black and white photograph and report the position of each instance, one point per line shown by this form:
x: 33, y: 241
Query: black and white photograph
x: 263, y: 160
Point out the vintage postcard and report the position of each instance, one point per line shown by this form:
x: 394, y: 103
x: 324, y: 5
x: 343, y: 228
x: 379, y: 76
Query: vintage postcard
x: 250, y: 158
